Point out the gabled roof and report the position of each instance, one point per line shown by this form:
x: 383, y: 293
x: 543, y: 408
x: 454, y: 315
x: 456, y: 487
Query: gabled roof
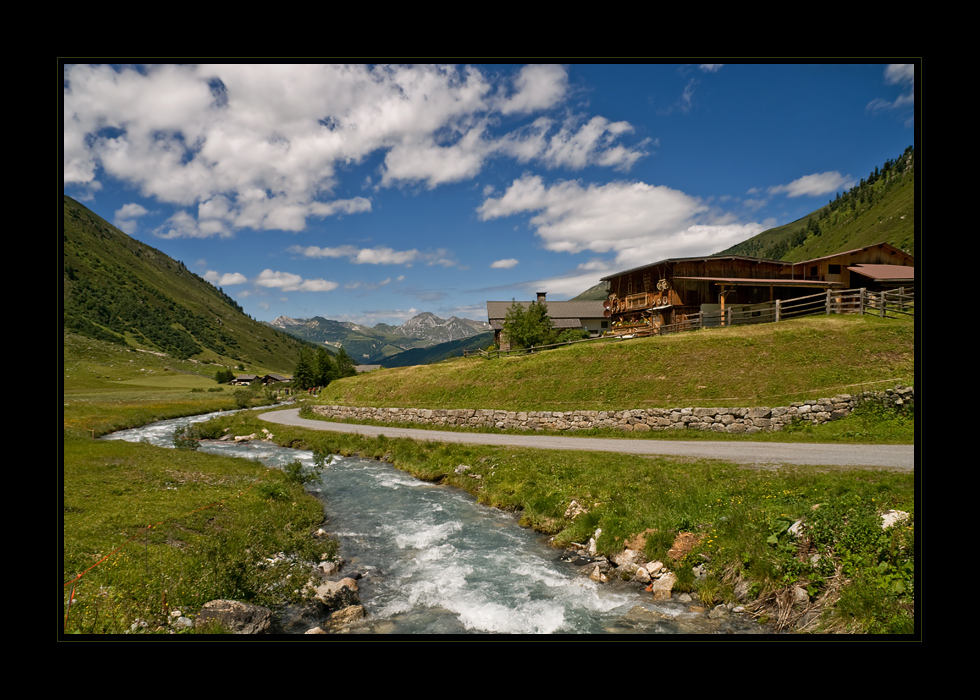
x: 557, y: 310
x: 763, y: 281
x: 887, y: 246
x: 701, y: 259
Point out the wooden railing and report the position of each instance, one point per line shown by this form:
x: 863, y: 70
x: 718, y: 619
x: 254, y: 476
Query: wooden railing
x: 890, y: 304
x: 847, y: 301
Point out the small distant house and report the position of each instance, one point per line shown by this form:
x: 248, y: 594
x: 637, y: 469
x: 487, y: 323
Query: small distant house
x: 586, y: 315
x: 274, y: 379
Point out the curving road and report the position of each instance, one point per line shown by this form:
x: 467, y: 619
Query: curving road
x: 900, y: 457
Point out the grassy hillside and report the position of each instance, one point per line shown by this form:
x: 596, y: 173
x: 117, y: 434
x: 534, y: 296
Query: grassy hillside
x: 120, y: 290
x: 760, y: 365
x: 880, y: 209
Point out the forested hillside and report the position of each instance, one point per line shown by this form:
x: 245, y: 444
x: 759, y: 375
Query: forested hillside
x: 118, y: 289
x: 880, y: 209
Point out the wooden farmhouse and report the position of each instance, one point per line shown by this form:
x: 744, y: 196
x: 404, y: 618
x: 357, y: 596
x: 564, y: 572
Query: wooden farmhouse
x: 587, y: 315
x: 666, y: 292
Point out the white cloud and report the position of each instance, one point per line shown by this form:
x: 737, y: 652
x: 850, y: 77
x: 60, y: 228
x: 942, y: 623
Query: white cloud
x: 817, y: 184
x: 898, y: 74
x: 505, y: 264
x: 384, y: 256
x: 379, y: 255
x: 262, y: 146
x: 536, y: 87
x: 226, y: 279
x: 131, y: 211
x: 374, y: 256
x: 126, y: 216
x: 289, y: 282
x: 636, y: 221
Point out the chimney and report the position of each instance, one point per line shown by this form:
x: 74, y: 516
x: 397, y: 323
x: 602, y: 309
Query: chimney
x: 541, y: 297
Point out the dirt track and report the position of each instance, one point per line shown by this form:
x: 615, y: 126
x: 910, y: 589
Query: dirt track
x: 898, y: 457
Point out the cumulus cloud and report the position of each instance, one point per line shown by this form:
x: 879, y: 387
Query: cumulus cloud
x: 634, y: 220
x: 815, y: 185
x: 379, y: 255
x: 504, y: 264
x: 289, y: 282
x: 262, y: 146
x: 226, y: 279
x: 126, y: 217
x: 536, y: 87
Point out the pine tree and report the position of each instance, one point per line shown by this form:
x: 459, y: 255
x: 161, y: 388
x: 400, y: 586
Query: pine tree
x: 345, y: 365
x: 324, y: 369
x: 303, y: 374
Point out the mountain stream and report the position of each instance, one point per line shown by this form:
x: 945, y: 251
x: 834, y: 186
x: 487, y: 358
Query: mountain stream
x: 434, y: 562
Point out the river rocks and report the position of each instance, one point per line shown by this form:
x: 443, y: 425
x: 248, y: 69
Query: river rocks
x: 663, y: 585
x: 892, y: 517
x: 334, y: 595
x: 236, y: 617
x: 730, y: 420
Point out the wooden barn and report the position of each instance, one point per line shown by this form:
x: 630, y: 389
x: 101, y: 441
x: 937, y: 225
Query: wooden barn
x: 667, y: 292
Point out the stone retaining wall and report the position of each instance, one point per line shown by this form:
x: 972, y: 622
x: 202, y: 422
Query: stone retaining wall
x: 729, y: 420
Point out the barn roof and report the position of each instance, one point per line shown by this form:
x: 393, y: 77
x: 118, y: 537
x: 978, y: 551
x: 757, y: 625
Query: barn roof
x: 701, y: 259
x: 557, y: 310
x: 881, y: 273
x: 763, y: 281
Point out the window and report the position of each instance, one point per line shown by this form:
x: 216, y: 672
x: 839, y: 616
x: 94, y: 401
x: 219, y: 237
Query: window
x: 833, y: 269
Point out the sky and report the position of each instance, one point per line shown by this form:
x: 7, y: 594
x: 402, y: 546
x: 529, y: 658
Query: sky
x: 372, y: 193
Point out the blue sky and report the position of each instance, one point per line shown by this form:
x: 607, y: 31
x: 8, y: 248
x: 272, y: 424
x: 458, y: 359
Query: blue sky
x: 372, y: 193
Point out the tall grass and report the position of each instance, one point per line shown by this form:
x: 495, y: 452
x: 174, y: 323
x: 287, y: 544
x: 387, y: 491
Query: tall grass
x: 148, y: 530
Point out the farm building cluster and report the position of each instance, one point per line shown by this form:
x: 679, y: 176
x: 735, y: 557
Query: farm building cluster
x: 667, y: 292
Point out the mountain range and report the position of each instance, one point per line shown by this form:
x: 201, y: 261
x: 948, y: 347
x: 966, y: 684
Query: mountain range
x: 378, y: 345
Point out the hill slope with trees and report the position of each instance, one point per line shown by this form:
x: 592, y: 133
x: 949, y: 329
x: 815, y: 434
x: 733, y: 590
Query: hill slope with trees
x: 880, y: 209
x: 120, y: 290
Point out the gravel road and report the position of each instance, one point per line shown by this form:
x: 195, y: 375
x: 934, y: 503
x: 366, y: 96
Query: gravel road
x: 898, y: 457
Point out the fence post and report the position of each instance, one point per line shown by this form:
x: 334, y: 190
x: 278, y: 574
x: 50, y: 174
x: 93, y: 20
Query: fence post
x: 861, y: 293
x: 882, y: 313
x: 827, y: 303
x: 777, y: 310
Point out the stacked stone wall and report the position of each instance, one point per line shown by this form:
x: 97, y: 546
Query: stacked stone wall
x: 728, y: 420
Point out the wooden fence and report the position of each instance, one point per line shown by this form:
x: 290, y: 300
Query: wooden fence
x: 888, y: 304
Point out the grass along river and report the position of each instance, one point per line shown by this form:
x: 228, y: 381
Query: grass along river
x: 432, y: 561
